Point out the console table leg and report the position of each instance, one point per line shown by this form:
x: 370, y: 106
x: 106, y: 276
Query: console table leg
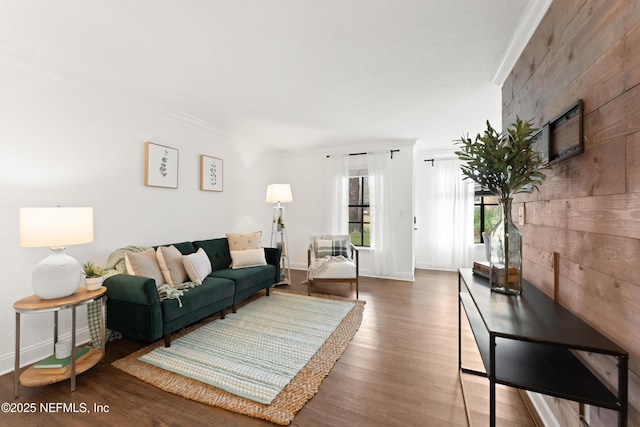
x: 492, y: 381
x: 623, y: 397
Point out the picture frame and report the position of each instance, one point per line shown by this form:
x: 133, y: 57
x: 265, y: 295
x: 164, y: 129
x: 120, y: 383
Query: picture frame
x: 160, y: 166
x: 211, y: 173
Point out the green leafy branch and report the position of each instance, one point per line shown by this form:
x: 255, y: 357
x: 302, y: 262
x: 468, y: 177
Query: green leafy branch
x: 505, y: 165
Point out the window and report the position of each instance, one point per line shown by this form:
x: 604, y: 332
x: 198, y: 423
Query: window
x: 359, y: 218
x: 486, y: 214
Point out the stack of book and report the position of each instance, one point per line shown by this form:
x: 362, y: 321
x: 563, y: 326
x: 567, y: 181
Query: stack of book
x: 52, y: 365
x: 483, y: 269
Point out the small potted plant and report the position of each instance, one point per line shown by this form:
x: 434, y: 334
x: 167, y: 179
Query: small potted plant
x: 93, y: 276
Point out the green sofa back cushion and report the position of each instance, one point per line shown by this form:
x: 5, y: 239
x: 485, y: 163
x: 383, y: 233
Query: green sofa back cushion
x: 185, y: 248
x: 218, y: 252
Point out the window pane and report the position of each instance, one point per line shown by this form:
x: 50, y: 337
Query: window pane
x: 491, y: 217
x: 354, y: 191
x: 366, y: 237
x: 476, y: 224
x: 355, y: 230
x: 355, y: 214
x: 365, y: 190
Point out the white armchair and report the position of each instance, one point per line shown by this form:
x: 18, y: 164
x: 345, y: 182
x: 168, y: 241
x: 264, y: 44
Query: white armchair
x: 332, y: 258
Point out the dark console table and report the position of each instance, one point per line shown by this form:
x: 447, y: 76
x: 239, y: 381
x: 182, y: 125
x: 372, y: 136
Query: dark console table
x: 526, y: 341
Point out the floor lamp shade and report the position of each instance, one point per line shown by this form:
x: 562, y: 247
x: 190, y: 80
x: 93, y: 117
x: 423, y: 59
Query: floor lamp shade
x: 58, y: 275
x: 279, y: 193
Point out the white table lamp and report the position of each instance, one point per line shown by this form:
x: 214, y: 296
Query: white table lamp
x: 58, y: 275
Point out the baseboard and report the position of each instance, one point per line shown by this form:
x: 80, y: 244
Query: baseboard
x: 540, y: 411
x: 36, y: 352
x: 423, y: 266
x: 406, y: 277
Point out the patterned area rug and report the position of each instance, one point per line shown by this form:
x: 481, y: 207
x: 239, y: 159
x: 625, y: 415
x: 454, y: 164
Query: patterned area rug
x: 265, y: 361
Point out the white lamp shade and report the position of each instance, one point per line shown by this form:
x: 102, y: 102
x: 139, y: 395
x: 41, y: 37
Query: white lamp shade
x: 279, y: 193
x: 55, y: 227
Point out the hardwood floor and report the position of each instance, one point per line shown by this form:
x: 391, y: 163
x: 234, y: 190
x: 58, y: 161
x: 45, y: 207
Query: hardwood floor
x: 399, y: 370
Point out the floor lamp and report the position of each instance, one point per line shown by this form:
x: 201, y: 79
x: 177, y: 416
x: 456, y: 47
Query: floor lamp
x: 280, y: 193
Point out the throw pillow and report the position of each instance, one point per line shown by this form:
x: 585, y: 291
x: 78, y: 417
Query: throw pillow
x: 171, y: 265
x: 248, y: 258
x: 197, y: 266
x: 244, y: 241
x: 144, y: 264
x: 325, y: 247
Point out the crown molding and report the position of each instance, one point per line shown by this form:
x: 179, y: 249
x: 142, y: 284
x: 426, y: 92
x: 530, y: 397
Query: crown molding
x: 74, y: 78
x: 527, y: 26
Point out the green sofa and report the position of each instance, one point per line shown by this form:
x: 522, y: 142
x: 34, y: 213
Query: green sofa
x: 135, y: 309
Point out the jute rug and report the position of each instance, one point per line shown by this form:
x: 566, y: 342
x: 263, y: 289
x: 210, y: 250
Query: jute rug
x: 295, y: 393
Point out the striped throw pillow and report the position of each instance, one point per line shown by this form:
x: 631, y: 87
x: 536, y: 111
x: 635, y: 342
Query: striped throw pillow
x: 197, y: 265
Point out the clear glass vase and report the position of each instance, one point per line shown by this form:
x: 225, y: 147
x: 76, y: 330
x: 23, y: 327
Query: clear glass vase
x: 506, y: 253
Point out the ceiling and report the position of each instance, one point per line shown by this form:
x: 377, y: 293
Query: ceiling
x: 290, y: 74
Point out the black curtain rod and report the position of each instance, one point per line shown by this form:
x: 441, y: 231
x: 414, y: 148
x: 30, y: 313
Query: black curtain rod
x: 361, y: 154
x: 430, y: 160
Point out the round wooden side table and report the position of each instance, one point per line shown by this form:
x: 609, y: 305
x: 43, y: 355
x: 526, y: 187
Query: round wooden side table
x: 34, y: 304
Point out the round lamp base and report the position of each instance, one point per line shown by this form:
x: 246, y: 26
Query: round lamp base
x: 56, y: 276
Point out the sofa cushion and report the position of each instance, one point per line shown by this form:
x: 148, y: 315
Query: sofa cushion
x: 185, y: 248
x: 218, y: 252
x: 245, y: 278
x: 248, y: 258
x: 212, y: 290
x: 171, y: 265
x: 144, y: 264
x: 244, y: 241
x: 197, y: 265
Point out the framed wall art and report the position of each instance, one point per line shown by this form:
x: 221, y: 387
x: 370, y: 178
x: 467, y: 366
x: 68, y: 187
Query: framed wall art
x: 160, y: 166
x: 211, y: 173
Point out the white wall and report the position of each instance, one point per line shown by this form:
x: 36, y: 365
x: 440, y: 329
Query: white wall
x: 67, y: 143
x: 309, y: 174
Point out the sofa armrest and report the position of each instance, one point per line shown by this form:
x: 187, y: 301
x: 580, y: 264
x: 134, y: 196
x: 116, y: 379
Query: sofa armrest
x: 272, y: 255
x: 133, y: 289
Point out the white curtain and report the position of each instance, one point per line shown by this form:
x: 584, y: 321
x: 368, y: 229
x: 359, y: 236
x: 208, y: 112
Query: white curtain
x: 383, y: 245
x: 340, y: 194
x: 445, y: 214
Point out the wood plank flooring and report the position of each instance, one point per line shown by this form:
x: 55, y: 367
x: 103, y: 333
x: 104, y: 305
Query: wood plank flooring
x: 399, y: 370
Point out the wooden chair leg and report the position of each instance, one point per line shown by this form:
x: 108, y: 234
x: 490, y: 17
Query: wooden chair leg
x: 167, y: 340
x: 222, y: 313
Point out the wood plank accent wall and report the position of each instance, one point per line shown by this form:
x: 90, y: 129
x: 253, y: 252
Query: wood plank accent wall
x: 588, y: 209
